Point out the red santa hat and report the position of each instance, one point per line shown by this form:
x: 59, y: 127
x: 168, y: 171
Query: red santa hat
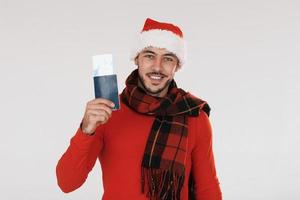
x: 161, y: 35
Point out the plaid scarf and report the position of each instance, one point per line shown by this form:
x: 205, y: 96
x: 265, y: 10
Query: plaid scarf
x: 163, y: 164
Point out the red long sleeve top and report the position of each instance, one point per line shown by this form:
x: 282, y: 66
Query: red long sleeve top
x: 119, y: 146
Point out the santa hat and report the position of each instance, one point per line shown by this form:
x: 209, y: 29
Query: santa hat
x: 161, y: 35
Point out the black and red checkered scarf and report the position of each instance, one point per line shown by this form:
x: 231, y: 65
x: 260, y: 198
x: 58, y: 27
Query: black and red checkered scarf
x: 164, y: 160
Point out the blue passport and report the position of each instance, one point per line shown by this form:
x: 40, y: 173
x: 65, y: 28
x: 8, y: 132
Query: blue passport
x: 107, y: 87
x: 105, y: 80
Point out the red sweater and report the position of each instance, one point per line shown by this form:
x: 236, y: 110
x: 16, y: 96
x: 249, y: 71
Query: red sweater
x: 119, y: 145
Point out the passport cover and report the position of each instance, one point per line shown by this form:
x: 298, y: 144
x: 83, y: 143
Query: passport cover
x: 107, y: 87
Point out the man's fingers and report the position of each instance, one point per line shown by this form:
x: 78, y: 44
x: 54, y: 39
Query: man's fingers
x: 97, y: 116
x: 98, y: 113
x: 108, y: 110
x: 101, y: 101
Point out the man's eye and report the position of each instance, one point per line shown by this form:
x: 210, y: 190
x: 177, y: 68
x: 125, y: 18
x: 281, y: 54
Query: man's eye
x: 169, y: 59
x: 149, y: 56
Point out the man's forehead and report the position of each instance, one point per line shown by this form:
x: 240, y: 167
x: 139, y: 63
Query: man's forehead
x: 157, y: 50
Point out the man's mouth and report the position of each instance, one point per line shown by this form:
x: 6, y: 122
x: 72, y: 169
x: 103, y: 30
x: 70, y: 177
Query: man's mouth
x: 156, y: 76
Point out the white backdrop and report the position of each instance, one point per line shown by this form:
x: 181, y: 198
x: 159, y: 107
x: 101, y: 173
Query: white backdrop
x: 243, y: 58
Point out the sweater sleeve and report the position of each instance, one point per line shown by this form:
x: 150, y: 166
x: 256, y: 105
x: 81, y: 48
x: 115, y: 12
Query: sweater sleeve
x: 73, y: 167
x: 207, y: 186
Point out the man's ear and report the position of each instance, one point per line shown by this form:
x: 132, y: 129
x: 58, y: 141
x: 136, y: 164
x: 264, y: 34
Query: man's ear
x: 136, y: 61
x: 177, y: 66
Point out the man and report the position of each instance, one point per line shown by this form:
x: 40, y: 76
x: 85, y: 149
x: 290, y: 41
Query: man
x: 158, y: 146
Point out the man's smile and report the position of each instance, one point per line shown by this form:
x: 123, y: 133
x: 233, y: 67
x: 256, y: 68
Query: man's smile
x: 155, y: 78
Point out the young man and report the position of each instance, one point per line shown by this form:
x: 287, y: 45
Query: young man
x: 158, y: 146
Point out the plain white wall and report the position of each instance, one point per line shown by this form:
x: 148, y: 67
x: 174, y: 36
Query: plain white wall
x: 243, y: 58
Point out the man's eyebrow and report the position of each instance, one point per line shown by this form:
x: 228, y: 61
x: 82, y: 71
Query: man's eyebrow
x: 152, y: 52
x: 148, y: 51
x: 170, y: 54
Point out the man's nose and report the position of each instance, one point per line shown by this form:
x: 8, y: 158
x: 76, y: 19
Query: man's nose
x: 157, y: 65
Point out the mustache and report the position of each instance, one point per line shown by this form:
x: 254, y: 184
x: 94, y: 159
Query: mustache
x: 156, y: 73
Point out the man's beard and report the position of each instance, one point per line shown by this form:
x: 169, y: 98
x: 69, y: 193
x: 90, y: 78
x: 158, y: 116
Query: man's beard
x: 148, y: 90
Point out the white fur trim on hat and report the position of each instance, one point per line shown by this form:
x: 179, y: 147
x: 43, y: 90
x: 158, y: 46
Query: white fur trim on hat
x: 160, y: 39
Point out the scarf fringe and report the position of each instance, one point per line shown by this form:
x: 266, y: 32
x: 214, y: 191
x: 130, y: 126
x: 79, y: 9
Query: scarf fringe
x: 161, y: 184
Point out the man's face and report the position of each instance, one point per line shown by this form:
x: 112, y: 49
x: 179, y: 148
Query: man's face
x: 156, y: 69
